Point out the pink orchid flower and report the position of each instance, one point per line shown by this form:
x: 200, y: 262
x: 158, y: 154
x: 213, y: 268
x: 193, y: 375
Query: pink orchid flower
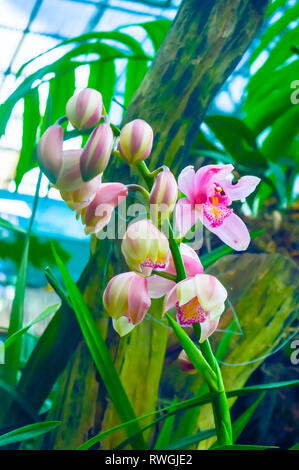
x: 209, y: 192
x: 160, y: 286
x: 127, y: 300
x: 199, y: 299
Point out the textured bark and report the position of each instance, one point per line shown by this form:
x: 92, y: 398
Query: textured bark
x: 204, y: 44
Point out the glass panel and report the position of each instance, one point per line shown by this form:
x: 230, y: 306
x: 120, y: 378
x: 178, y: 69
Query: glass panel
x: 63, y: 17
x: 15, y: 13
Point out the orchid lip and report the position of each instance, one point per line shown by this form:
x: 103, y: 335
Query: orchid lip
x: 148, y: 263
x: 191, y: 312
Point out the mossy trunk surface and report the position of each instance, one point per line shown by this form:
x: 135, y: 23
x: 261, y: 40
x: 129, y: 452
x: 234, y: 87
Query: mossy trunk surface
x: 203, y: 46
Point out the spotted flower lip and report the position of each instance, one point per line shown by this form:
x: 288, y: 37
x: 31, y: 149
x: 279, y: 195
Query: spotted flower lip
x: 145, y: 248
x: 209, y: 192
x: 198, y: 299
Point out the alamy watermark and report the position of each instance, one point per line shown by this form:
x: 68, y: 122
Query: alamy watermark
x: 295, y: 94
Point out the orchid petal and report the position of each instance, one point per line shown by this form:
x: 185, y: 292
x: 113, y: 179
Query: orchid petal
x: 186, y: 181
x: 207, y: 328
x: 138, y: 299
x: 159, y: 286
x: 233, y: 232
x: 123, y: 325
x: 186, y: 215
x: 210, y: 292
x: 241, y: 189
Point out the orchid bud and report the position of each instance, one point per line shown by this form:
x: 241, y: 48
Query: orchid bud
x: 98, y: 213
x: 136, y: 141
x: 78, y: 199
x: 127, y: 294
x: 49, y: 152
x: 145, y: 248
x: 84, y: 110
x: 96, y: 153
x: 185, y: 364
x: 163, y: 195
x: 69, y: 178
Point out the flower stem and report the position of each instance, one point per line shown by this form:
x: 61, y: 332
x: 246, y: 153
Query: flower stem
x: 220, y: 405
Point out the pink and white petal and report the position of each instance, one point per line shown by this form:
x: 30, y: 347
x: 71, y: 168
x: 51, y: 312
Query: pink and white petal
x: 186, y: 215
x: 123, y: 325
x: 233, y: 232
x: 207, y: 328
x: 186, y: 290
x: 186, y: 181
x: 191, y: 260
x: 217, y: 311
x: 158, y: 286
x: 138, y: 299
x: 170, y: 299
x: 205, y: 177
x: 209, y: 291
x: 242, y: 188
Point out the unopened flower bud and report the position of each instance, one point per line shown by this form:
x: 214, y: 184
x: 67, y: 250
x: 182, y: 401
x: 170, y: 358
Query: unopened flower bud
x: 49, y: 152
x: 80, y: 198
x: 136, y: 141
x: 163, y: 195
x: 84, y: 110
x: 96, y: 153
x: 127, y: 294
x: 69, y: 178
x: 98, y: 213
x: 145, y: 248
x: 185, y: 364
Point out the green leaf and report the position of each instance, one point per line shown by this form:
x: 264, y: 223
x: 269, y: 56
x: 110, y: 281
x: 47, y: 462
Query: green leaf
x: 136, y: 69
x: 9, y: 226
x: 244, y: 447
x: 287, y: 126
x: 18, y: 401
x: 193, y: 353
x: 187, y: 441
x: 203, y: 399
x: 102, y: 77
x: 62, y: 87
x: 237, y: 139
x: 100, y: 354
x: 188, y: 404
x: 295, y: 447
x: 164, y: 435
x: 275, y: 29
x: 12, y: 355
x: 273, y: 6
x: 28, y: 432
x: 240, y: 423
x: 45, y: 314
x: 157, y: 31
x: 31, y: 121
x: 260, y: 388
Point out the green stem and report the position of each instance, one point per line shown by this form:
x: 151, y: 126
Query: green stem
x: 220, y: 405
x: 219, y: 402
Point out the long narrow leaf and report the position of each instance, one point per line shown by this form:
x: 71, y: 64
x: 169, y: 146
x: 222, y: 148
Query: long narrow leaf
x: 45, y: 314
x: 188, y: 404
x: 101, y: 355
x: 185, y: 442
x: 27, y: 432
x: 240, y: 423
x: 193, y: 353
